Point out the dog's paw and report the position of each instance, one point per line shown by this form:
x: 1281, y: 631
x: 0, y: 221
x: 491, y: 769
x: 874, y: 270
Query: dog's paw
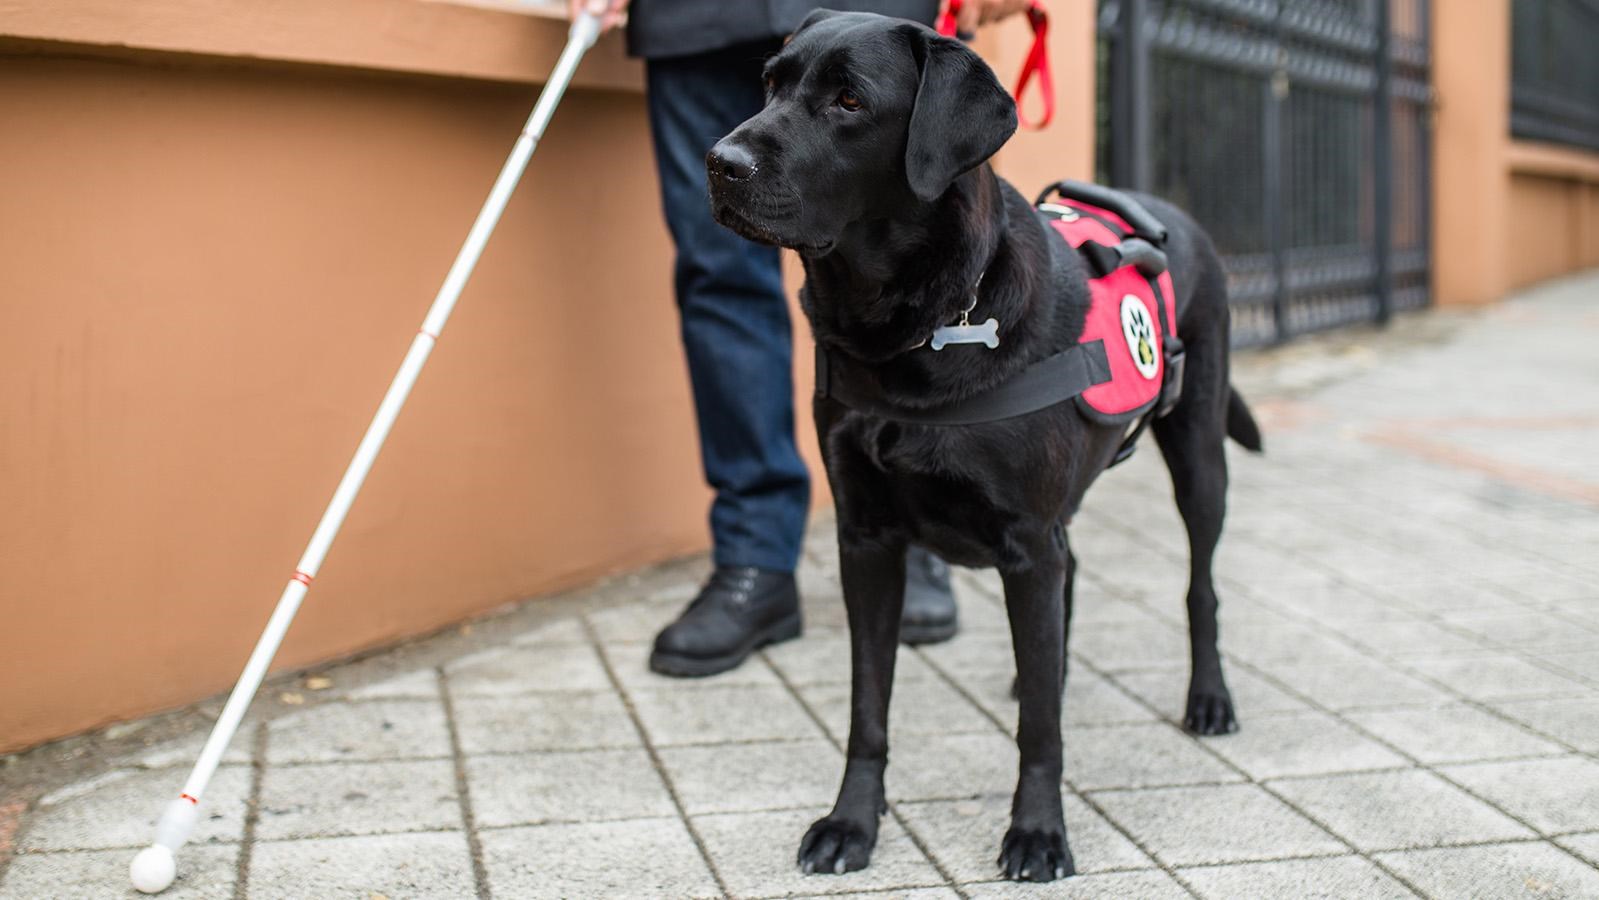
x: 835, y: 846
x: 1029, y: 854
x: 1210, y: 713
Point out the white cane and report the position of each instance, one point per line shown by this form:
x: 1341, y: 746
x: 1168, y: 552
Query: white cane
x: 154, y: 868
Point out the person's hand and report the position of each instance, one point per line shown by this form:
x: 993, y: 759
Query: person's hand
x: 983, y: 12
x: 611, y: 12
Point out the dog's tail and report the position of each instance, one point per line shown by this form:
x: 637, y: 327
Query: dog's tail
x: 1241, y: 425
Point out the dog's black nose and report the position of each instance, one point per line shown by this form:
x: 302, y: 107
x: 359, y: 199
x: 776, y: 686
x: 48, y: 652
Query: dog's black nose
x: 730, y: 161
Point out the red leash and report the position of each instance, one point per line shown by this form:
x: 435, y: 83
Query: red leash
x: 1037, y: 60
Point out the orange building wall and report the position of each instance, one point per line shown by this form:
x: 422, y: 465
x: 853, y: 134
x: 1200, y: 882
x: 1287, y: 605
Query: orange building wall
x: 209, y: 277
x: 1588, y: 215
x: 1554, y: 193
x: 1507, y: 213
x: 1548, y: 250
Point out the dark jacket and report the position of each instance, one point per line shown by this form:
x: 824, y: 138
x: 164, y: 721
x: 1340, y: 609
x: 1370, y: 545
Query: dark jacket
x: 657, y: 29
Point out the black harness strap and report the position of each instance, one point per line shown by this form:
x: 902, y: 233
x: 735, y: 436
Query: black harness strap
x: 1054, y: 379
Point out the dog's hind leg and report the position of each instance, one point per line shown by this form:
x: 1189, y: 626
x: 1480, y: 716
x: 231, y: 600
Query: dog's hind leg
x: 873, y: 574
x: 1191, y: 441
x: 1035, y: 849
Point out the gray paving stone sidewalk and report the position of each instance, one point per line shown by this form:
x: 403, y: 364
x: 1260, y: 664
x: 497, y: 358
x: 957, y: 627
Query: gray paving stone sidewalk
x: 1410, y: 584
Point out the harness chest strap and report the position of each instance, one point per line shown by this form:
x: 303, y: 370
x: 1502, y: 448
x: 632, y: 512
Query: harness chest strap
x: 1041, y: 385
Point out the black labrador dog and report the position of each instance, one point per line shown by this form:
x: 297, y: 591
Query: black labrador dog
x: 869, y: 159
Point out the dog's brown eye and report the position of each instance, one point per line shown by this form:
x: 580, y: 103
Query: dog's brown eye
x: 848, y: 99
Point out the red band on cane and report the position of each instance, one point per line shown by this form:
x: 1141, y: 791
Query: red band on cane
x: 188, y: 798
x: 1037, y: 63
x: 301, y: 577
x: 428, y: 333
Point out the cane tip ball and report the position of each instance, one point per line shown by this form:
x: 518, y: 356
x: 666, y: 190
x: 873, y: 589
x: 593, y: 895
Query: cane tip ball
x: 153, y: 869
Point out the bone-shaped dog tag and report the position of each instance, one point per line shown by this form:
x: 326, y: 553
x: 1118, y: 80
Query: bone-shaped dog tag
x: 986, y: 334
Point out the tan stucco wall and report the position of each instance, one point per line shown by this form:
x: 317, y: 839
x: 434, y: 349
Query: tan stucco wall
x: 1534, y: 199
x: 456, y: 38
x: 209, y: 276
x: 216, y: 242
x: 1471, y: 74
x: 1588, y: 212
x: 1554, y: 195
x: 1551, y: 248
x: 1506, y: 212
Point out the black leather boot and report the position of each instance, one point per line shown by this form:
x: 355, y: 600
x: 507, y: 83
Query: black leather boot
x: 929, y: 615
x: 737, y: 612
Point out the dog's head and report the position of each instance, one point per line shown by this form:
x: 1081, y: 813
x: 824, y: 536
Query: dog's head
x: 865, y: 115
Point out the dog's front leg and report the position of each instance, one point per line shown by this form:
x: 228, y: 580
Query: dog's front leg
x: 873, y: 573
x: 1035, y: 847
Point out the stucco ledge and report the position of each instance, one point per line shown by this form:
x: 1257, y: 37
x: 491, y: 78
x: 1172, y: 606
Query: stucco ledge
x: 1552, y: 161
x: 494, y: 40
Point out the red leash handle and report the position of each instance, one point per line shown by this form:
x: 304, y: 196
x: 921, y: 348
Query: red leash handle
x: 1037, y: 64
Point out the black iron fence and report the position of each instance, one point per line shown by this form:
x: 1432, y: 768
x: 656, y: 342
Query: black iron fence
x: 1296, y: 132
x: 1554, y: 64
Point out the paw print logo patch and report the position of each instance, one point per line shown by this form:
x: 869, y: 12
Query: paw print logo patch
x: 1138, y: 328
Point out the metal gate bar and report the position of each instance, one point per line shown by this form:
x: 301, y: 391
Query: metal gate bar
x: 1296, y: 131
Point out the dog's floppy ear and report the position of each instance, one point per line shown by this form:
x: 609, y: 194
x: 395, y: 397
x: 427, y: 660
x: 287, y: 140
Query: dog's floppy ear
x: 961, y: 117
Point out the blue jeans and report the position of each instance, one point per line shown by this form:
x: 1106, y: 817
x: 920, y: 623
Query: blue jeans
x: 735, y: 321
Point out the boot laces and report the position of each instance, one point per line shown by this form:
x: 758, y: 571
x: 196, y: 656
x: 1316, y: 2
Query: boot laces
x: 738, y: 583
